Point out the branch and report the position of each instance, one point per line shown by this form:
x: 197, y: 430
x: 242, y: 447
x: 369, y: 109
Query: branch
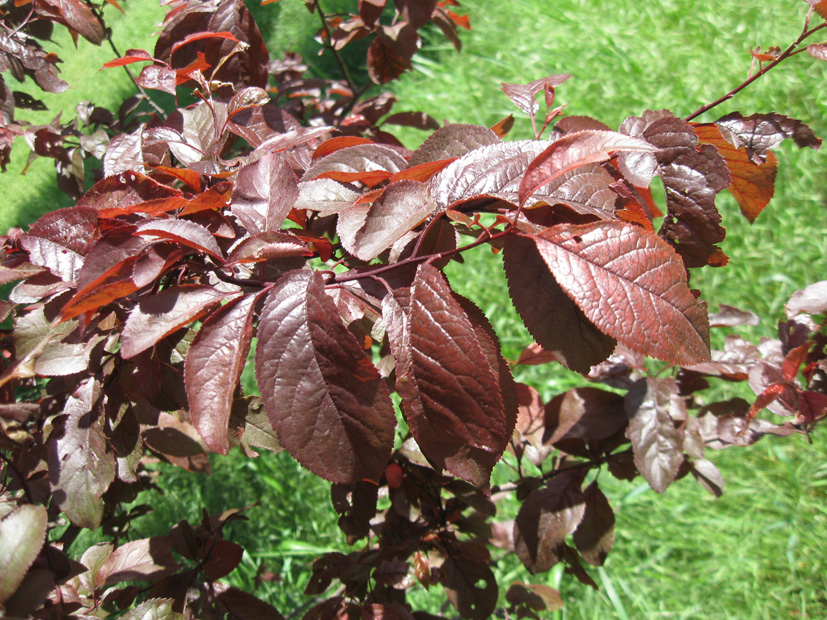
x: 328, y: 43
x: 98, y: 11
x: 791, y: 50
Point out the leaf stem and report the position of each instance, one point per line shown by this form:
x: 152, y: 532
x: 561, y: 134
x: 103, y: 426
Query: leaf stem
x: 328, y: 43
x: 805, y: 33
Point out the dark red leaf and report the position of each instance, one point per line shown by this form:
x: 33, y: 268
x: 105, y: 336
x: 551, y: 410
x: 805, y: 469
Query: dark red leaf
x: 267, y: 246
x: 157, y: 316
x: 552, y: 318
x: 654, y: 406
x: 198, y: 36
x: 158, y: 77
x: 470, y: 586
x: 122, y: 190
x: 631, y: 285
x: 22, y: 532
x: 358, y: 159
x: 523, y: 95
x: 595, y: 534
x: 451, y: 395
x: 60, y: 241
x: 184, y: 232
x: 547, y: 516
x: 335, y: 144
x: 240, y: 604
x: 75, y: 15
x: 574, y: 150
x: 213, y: 368
x: 222, y: 557
x: 327, y: 402
x: 584, y: 413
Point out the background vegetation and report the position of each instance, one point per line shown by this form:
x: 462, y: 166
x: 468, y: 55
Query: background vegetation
x: 755, y: 553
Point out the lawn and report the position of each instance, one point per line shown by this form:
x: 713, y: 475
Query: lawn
x: 755, y: 553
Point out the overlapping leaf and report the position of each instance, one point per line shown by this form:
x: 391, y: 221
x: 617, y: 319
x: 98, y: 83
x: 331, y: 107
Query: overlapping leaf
x: 81, y: 468
x: 358, y: 159
x: 452, y: 141
x: 61, y: 239
x: 595, y: 534
x: 326, y: 401
x: 758, y: 133
x: 22, y: 533
x: 574, y: 150
x: 402, y: 206
x: 654, y: 407
x: 264, y: 193
x: 451, y: 395
x: 692, y: 177
x: 631, y: 285
x: 213, y: 368
x: 552, y: 318
x: 157, y: 316
x: 547, y: 516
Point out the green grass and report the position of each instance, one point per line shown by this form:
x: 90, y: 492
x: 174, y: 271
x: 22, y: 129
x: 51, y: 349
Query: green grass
x: 757, y: 552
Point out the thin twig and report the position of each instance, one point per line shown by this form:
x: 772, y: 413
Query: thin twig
x: 98, y: 12
x: 328, y: 43
x: 786, y: 54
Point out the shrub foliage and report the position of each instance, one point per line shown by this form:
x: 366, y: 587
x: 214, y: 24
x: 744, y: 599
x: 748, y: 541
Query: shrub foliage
x: 270, y: 206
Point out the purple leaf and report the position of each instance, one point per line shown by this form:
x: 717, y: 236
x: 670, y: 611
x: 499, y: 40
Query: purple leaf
x: 574, y: 150
x: 451, y: 394
x: 547, y: 516
x: 402, y: 206
x: 653, y: 406
x: 81, y: 467
x: 584, y: 413
x: 359, y: 158
x: 470, y: 585
x: 184, y: 232
x: 812, y: 300
x: 326, y: 401
x: 552, y: 318
x: 758, y: 133
x: 41, y: 341
x: 213, y: 368
x: 631, y: 285
x: 22, y: 534
x: 60, y: 240
x: 267, y: 246
x: 523, y: 95
x: 708, y: 476
x: 595, y: 534
x: 264, y: 193
x: 157, y: 316
x: 147, y: 559
x: 452, y: 141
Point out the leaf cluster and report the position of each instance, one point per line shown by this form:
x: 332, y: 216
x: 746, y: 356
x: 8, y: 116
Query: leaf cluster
x: 275, y: 208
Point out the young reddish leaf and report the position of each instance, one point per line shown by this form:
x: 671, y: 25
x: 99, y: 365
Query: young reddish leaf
x: 370, y: 11
x: 133, y: 55
x: 504, y: 126
x: 595, y: 534
x: 152, y: 207
x: 654, y: 407
x: 147, y: 559
x: 157, y: 316
x: 401, y: 208
x: 22, y: 534
x: 631, y: 285
x: 189, y: 177
x: 335, y: 144
x: 198, y: 36
x: 122, y: 190
x: 452, y: 141
x: 758, y: 133
x: 385, y: 60
x: 213, y: 368
x: 214, y: 199
x: 752, y: 184
x: 523, y: 95
x: 451, y: 396
x: 575, y: 150
x: 421, y: 172
x: 184, y: 232
x: 264, y: 193
x: 81, y: 467
x: 547, y: 516
x: 552, y: 318
x: 327, y: 402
